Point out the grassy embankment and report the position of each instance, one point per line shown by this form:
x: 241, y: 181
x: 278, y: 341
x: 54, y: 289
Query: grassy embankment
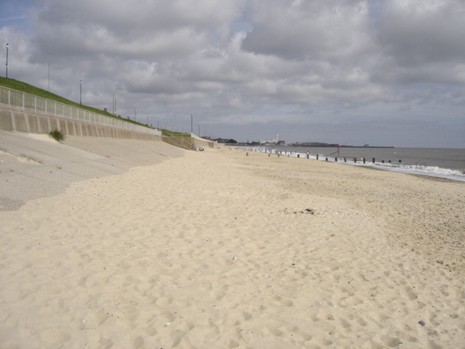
x: 33, y: 90
x: 179, y: 139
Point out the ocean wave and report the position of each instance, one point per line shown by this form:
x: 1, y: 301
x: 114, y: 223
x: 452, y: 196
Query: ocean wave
x: 432, y: 171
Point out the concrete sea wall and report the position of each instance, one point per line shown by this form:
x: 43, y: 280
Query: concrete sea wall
x: 24, y: 112
x: 21, y: 121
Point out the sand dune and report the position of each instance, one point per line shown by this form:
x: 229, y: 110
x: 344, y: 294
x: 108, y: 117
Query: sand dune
x: 220, y: 250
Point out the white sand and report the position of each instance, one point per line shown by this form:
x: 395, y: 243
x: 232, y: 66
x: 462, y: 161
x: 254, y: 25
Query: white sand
x: 220, y: 250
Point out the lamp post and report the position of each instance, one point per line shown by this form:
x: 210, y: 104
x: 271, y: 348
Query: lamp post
x: 6, y: 65
x: 80, y: 91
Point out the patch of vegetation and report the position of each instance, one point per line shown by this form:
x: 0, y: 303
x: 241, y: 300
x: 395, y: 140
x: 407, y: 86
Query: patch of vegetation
x: 57, y: 135
x: 169, y: 133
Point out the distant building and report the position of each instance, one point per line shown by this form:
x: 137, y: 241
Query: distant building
x: 274, y: 141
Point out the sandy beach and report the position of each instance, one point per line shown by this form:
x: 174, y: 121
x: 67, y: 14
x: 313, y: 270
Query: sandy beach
x: 142, y: 245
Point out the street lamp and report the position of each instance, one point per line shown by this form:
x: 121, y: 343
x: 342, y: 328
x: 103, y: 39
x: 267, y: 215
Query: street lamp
x: 6, y: 65
x: 80, y: 91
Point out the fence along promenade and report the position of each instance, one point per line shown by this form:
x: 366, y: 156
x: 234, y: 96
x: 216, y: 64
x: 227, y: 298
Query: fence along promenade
x: 16, y: 101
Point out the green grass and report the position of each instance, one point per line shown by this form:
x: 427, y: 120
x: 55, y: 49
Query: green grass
x: 27, y: 88
x: 169, y: 133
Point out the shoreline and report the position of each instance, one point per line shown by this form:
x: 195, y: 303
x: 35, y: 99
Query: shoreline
x: 456, y: 175
x: 218, y: 249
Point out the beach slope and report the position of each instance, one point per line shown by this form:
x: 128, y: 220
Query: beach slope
x: 35, y: 165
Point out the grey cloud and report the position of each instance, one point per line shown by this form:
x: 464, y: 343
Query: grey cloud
x: 129, y: 18
x: 141, y: 29
x: 312, y: 30
x: 420, y: 42
x: 423, y: 33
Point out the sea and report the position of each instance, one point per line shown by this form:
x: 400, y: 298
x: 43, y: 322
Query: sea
x: 436, y: 162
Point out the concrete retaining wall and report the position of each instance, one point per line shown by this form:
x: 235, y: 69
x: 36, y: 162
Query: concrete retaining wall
x: 201, y: 142
x: 11, y: 120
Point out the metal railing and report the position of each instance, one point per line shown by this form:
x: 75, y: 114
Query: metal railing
x: 25, y: 102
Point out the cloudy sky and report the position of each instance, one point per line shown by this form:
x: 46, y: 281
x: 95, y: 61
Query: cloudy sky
x: 382, y: 72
